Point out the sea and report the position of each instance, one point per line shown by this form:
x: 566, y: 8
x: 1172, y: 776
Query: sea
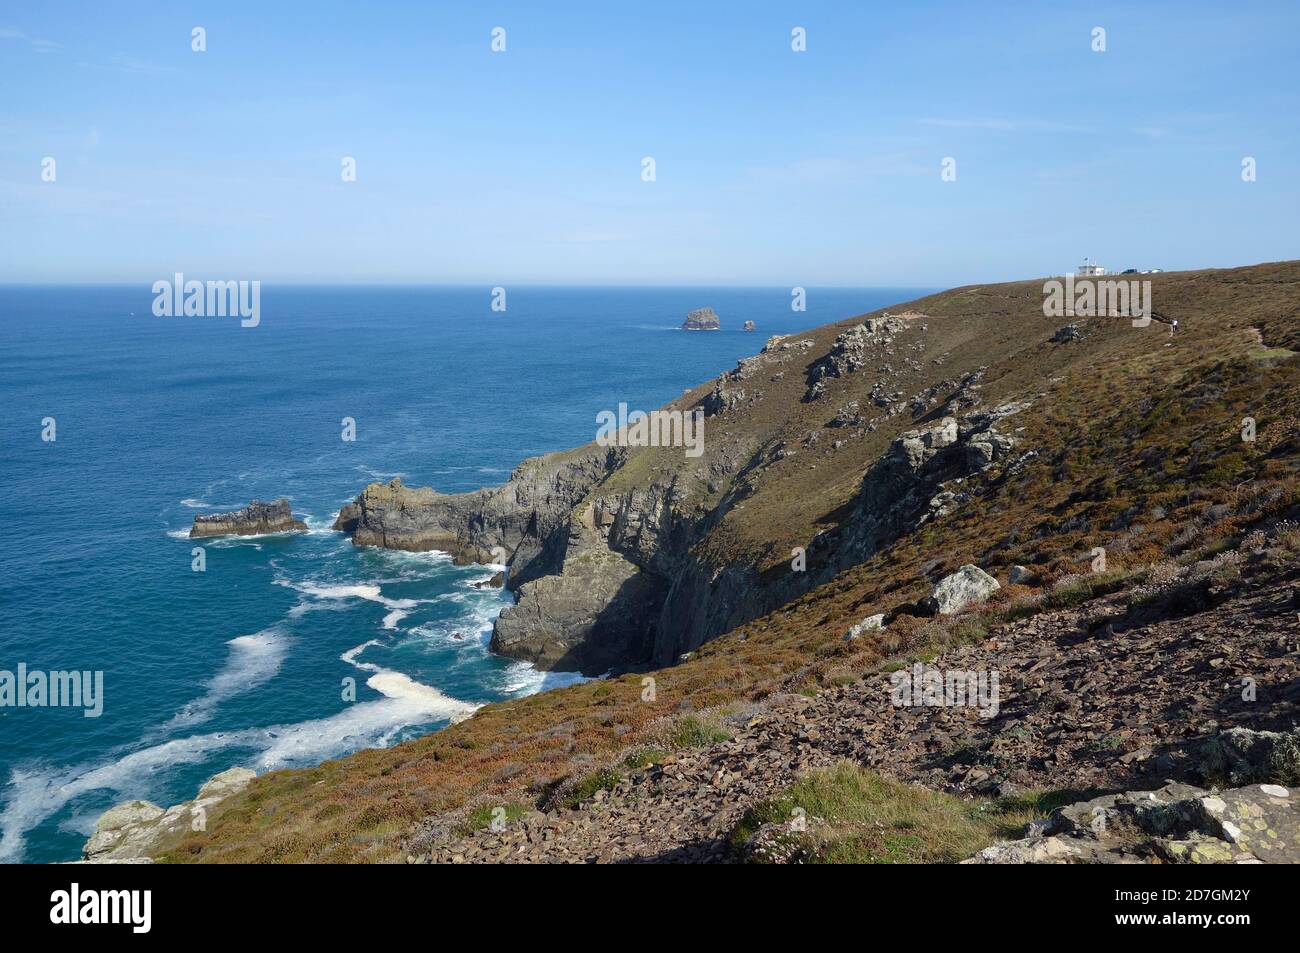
x: 282, y: 651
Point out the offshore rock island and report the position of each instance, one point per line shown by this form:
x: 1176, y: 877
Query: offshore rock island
x: 255, y: 519
x: 702, y: 319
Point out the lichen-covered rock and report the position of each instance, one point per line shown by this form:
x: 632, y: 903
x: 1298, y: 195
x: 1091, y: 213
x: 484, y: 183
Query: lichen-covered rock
x: 1240, y: 756
x: 131, y: 832
x: 1177, y: 824
x: 968, y: 586
x: 869, y: 624
x: 120, y: 828
x: 256, y: 519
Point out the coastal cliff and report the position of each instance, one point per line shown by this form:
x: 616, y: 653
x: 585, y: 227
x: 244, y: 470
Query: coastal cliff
x: 625, y: 558
x: 950, y: 482
x: 819, y: 452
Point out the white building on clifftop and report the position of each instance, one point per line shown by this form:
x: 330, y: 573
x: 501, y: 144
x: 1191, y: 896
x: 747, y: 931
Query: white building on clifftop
x: 1090, y: 269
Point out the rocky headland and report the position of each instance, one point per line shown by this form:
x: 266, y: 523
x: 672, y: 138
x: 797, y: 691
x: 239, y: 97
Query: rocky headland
x: 255, y: 519
x: 947, y: 484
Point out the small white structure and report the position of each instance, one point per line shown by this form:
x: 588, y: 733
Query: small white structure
x: 1090, y: 269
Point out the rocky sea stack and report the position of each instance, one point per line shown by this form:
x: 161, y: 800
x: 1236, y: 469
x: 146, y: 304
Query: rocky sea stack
x: 702, y: 319
x: 255, y: 519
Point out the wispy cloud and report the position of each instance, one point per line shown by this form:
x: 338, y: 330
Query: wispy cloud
x: 38, y: 44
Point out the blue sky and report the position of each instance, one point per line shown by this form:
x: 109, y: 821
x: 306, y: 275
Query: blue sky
x: 773, y: 167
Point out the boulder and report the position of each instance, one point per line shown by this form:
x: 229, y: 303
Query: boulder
x: 1178, y: 823
x: 968, y: 586
x: 749, y: 325
x: 228, y: 782
x: 870, y: 623
x: 1020, y: 576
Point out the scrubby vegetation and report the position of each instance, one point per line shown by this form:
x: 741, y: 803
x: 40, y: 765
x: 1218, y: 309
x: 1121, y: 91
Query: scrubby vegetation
x: 848, y: 815
x: 1136, y: 447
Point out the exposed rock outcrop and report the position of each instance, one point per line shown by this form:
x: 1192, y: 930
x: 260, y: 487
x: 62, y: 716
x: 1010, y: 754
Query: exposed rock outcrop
x: 609, y: 578
x: 702, y: 319
x: 132, y: 832
x: 1178, y: 824
x: 596, y: 613
x: 515, y: 519
x: 256, y: 519
x: 749, y: 326
x: 850, y: 350
x: 905, y: 487
x: 872, y: 623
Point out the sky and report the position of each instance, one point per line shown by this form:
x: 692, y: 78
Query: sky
x: 771, y: 166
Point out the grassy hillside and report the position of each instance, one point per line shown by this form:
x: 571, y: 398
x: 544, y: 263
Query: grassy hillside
x: 1136, y: 447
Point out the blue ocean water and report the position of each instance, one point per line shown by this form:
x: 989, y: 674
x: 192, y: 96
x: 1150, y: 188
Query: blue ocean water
x: 159, y: 418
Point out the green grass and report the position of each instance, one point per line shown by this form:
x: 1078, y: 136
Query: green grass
x: 603, y: 780
x: 644, y: 757
x: 1086, y: 589
x: 483, y: 815
x: 855, y: 816
x: 691, y: 732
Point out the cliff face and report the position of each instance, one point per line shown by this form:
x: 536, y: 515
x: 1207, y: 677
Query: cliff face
x: 622, y: 558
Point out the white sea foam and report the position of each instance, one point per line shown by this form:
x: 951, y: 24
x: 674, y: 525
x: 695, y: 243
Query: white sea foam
x: 522, y: 679
x: 195, y: 504
x: 37, y: 794
x: 320, y: 527
x: 253, y: 660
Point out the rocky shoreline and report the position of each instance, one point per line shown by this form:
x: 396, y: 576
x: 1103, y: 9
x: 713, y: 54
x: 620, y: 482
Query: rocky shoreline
x: 130, y: 833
